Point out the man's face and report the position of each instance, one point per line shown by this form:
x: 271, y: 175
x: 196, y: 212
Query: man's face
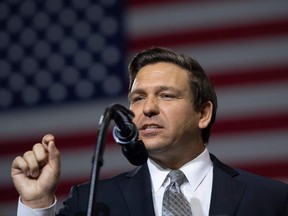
x: 162, y: 102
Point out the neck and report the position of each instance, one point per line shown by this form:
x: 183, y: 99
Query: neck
x: 176, y: 160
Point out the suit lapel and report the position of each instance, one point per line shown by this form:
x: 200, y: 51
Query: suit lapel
x: 138, y: 199
x: 225, y: 199
x: 226, y: 190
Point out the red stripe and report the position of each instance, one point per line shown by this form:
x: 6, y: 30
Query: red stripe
x: 213, y: 35
x: 223, y: 126
x: 64, y: 141
x: 236, y: 76
x: 253, y: 124
x: 275, y: 170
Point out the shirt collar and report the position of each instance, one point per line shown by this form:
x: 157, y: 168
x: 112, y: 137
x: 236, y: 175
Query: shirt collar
x: 195, y: 171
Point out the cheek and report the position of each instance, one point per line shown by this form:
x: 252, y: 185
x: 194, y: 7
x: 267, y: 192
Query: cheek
x: 184, y: 118
x: 136, y: 114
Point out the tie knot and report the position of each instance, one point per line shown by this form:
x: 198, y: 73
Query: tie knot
x: 177, y: 176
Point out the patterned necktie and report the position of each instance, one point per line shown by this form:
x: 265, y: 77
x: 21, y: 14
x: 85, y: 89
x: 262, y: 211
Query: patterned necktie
x: 174, y: 202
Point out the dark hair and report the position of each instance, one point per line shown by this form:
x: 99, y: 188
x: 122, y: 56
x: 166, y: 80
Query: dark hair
x: 201, y: 87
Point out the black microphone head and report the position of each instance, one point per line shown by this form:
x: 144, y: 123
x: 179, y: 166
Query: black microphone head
x: 135, y: 152
x: 125, y: 136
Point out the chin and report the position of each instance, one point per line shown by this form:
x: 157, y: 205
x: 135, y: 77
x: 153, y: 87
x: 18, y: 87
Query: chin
x: 155, y: 147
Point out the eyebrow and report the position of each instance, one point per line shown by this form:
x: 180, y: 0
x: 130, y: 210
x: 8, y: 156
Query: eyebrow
x: 158, y: 89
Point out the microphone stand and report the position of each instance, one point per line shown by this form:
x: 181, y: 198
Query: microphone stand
x: 98, y: 160
x: 109, y: 114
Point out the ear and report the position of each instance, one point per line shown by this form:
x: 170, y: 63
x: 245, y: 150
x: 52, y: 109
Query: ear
x: 205, y: 115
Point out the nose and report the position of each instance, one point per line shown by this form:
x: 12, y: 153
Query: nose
x: 151, y: 107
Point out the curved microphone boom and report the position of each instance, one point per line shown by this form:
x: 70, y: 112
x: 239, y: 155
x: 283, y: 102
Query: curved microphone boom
x: 125, y: 133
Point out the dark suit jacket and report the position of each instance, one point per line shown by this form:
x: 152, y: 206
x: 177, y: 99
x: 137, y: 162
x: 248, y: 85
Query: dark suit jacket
x: 234, y: 192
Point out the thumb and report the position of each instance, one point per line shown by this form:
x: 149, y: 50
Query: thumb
x: 54, y: 157
x: 54, y: 154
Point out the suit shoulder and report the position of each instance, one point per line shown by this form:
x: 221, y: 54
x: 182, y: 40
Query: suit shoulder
x: 254, y: 179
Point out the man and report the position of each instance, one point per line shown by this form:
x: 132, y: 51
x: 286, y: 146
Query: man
x: 175, y: 107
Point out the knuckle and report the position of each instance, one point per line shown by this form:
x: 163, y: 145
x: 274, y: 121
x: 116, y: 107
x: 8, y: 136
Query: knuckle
x: 27, y: 154
x: 37, y: 146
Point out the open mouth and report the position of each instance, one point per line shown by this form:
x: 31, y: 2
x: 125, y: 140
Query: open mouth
x: 150, y: 128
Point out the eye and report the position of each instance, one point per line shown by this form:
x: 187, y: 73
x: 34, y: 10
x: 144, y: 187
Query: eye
x: 137, y: 98
x: 167, y: 96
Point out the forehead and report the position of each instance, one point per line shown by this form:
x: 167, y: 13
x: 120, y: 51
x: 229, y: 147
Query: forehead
x: 161, y: 74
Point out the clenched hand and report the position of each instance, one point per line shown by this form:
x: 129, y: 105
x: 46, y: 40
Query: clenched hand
x: 36, y: 174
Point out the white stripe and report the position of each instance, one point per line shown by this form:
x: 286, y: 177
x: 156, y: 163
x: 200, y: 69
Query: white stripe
x: 248, y: 148
x: 252, y: 100
x: 161, y: 19
x: 77, y: 117
x: 239, y: 54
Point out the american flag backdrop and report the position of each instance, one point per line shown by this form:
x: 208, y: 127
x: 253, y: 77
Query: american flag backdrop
x: 63, y: 62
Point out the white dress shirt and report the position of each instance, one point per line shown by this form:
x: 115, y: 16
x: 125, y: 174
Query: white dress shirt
x: 197, y: 190
x: 24, y: 210
x: 199, y: 173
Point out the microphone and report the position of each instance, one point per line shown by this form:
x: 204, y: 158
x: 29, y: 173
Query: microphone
x: 125, y: 133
